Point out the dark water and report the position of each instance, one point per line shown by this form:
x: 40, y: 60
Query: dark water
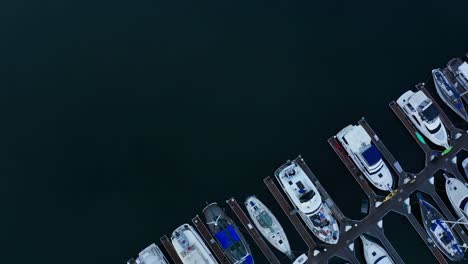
x: 121, y: 119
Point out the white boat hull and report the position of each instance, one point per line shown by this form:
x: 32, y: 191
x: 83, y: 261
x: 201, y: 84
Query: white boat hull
x: 374, y: 253
x: 457, y: 192
x: 197, y: 252
x: 274, y: 232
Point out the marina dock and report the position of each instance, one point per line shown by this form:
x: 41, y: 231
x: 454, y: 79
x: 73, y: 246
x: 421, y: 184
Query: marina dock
x: 253, y: 232
x: 396, y: 203
x: 210, y: 240
x: 400, y: 200
x: 170, y: 250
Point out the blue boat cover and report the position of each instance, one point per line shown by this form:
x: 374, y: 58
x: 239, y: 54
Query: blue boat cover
x: 232, y: 233
x: 372, y: 155
x: 248, y: 260
x: 227, y: 236
x: 223, y: 239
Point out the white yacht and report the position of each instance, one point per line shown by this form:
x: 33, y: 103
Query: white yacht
x: 366, y: 156
x: 268, y: 225
x: 424, y: 116
x: 150, y: 255
x: 459, y: 69
x: 374, y: 253
x: 306, y: 198
x: 190, y: 247
x: 457, y: 193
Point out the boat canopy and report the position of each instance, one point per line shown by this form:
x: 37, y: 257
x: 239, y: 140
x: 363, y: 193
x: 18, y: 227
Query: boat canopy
x: 372, y: 155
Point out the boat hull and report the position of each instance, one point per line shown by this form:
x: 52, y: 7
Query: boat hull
x: 381, y: 178
x: 374, y: 253
x: 227, y: 235
x: 457, y: 192
x: 319, y: 220
x: 150, y: 255
x: 268, y: 225
x: 449, y: 93
x: 194, y: 250
x: 441, y: 136
x: 439, y: 231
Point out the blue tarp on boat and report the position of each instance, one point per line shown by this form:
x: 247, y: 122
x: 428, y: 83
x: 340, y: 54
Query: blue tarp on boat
x: 223, y: 239
x: 248, y: 260
x: 372, y: 155
x: 227, y: 236
x: 232, y: 233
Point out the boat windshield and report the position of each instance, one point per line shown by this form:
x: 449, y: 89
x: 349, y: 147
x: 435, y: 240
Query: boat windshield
x: 430, y: 113
x: 307, y: 196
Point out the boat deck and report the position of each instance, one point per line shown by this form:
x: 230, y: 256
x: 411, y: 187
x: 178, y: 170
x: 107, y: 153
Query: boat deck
x: 387, y: 155
x: 443, y: 116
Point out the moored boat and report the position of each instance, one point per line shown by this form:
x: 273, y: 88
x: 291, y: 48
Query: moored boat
x: 190, y: 247
x: 457, y: 192
x: 449, y: 92
x: 268, y: 225
x: 439, y: 231
x: 374, y: 253
x: 307, y: 200
x: 422, y: 113
x: 150, y: 255
x: 367, y: 157
x: 227, y: 235
x: 459, y: 69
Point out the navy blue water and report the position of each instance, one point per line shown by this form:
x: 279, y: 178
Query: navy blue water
x: 121, y: 119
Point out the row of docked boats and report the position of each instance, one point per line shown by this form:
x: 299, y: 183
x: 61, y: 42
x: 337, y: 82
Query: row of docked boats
x: 302, y: 193
x: 191, y: 248
x: 316, y: 214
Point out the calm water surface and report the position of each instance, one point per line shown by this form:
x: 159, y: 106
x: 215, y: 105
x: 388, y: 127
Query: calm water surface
x: 120, y: 119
